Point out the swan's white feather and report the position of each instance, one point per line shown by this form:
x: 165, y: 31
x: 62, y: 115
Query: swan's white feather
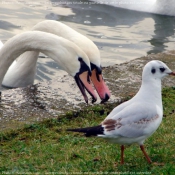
x: 61, y: 50
x: 22, y: 73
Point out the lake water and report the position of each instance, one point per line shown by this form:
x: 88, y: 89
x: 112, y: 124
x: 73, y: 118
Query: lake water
x: 121, y: 35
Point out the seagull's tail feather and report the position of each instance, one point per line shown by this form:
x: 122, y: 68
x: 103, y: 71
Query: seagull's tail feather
x: 90, y: 131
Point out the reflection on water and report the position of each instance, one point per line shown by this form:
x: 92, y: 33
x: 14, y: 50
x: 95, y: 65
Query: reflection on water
x: 163, y: 37
x: 121, y: 35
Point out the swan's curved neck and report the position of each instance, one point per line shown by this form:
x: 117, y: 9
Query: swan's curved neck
x: 66, y: 32
x: 59, y: 49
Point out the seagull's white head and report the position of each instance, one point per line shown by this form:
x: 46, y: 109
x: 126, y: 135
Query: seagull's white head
x: 156, y: 70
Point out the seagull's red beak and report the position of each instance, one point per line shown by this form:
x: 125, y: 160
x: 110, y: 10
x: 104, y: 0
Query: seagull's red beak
x: 172, y: 73
x: 99, y: 84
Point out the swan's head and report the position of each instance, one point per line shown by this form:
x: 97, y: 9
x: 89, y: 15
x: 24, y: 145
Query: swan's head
x: 97, y: 79
x: 99, y: 83
x: 85, y: 69
x: 77, y: 64
x: 82, y: 78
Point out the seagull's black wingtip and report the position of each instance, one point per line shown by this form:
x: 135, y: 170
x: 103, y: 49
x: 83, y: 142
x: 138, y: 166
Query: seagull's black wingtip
x: 90, y: 131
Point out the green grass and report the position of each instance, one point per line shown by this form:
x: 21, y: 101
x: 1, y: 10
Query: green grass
x: 43, y: 148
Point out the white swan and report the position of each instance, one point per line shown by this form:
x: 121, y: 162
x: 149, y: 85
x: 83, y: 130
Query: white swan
x: 21, y: 73
x: 1, y: 44
x: 69, y: 56
x: 163, y: 7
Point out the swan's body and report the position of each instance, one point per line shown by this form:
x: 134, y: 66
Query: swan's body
x: 137, y: 119
x: 22, y: 73
x: 163, y: 7
x: 69, y: 56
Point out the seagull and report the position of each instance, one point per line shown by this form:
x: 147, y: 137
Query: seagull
x: 137, y: 119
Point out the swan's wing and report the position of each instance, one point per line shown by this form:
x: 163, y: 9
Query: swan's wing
x: 134, y: 120
x: 1, y: 44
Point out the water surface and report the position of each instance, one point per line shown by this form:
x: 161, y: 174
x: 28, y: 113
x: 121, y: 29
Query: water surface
x: 120, y: 34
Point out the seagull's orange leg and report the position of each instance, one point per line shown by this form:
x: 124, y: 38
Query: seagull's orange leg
x: 145, y: 154
x: 122, y: 154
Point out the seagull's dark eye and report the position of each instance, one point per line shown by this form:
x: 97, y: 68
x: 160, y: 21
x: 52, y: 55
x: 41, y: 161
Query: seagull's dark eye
x: 162, y: 69
x: 153, y: 70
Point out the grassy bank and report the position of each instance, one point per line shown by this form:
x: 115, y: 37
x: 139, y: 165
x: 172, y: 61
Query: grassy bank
x: 43, y: 148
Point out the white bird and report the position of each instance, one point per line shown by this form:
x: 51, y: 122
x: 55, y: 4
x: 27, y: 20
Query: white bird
x: 135, y: 120
x: 68, y: 55
x: 1, y: 44
x: 163, y: 7
x: 22, y: 72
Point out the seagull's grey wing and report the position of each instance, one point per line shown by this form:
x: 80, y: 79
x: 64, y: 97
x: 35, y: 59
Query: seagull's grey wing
x: 118, y: 109
x: 134, y: 120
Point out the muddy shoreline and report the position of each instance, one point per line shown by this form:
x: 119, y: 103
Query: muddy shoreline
x: 49, y: 99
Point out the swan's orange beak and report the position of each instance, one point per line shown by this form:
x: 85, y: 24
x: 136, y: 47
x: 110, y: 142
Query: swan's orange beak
x: 100, y: 86
x: 83, y: 82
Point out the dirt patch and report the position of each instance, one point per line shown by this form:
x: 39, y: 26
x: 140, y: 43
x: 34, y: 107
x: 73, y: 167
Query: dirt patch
x: 49, y: 99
